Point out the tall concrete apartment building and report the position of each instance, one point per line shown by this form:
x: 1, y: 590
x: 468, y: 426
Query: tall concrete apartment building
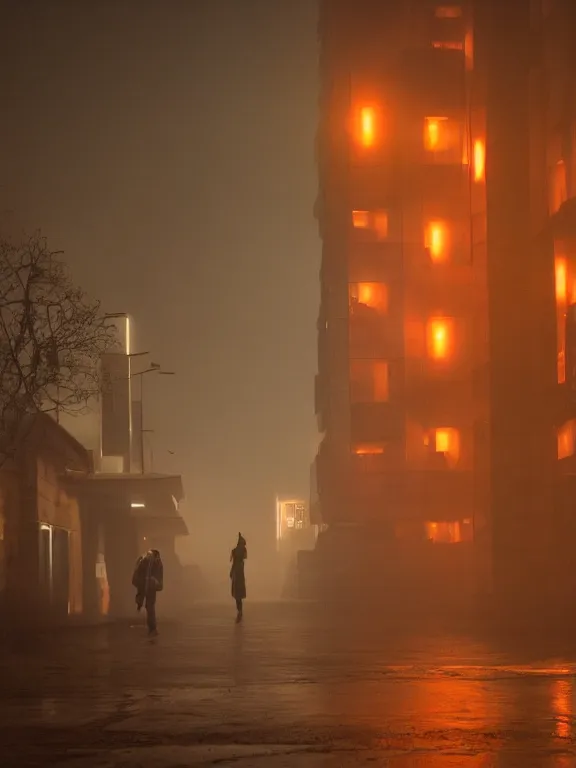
x: 447, y: 175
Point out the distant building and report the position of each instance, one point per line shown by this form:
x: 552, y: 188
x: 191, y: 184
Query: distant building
x: 122, y: 487
x: 294, y: 530
x: 76, y: 509
x: 295, y: 534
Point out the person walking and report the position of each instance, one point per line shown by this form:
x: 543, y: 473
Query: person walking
x: 148, y: 578
x: 237, y: 577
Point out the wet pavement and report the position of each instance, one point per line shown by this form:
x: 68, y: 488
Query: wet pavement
x: 295, y: 685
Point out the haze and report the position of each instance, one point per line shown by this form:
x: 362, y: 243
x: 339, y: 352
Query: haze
x: 167, y: 148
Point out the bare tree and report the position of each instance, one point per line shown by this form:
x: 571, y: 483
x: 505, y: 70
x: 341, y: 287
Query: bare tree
x: 51, y: 337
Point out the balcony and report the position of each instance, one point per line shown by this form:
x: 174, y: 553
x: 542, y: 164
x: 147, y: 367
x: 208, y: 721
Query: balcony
x: 376, y: 262
x: 419, y: 495
x: 440, y: 401
x: 451, y: 285
x: 376, y: 422
x: 446, y: 184
x: 375, y: 338
x: 435, y: 78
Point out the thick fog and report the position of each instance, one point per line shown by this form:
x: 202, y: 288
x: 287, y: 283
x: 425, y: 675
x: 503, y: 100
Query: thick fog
x: 168, y: 149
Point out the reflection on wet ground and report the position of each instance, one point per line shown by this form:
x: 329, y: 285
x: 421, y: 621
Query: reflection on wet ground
x: 295, y: 685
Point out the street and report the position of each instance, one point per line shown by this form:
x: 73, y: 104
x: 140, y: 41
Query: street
x: 294, y: 685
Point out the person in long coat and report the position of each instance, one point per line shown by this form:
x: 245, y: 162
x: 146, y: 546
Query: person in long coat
x: 148, y: 578
x: 237, y: 577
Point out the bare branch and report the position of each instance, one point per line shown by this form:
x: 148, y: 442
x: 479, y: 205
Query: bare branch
x: 51, y: 337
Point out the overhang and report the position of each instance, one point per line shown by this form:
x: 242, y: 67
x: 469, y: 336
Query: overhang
x: 152, y: 499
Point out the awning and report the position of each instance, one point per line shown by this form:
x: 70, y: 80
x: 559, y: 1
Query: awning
x: 156, y: 527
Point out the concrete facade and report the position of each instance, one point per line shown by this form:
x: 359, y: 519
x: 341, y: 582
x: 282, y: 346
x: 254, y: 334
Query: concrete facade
x: 446, y: 153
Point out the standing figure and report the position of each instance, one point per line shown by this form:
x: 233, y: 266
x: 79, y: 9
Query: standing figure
x: 237, y: 558
x: 148, y: 578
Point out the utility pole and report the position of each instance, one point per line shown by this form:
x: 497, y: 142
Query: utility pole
x: 154, y: 368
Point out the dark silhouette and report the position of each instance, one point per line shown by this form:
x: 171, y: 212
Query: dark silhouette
x: 148, y: 579
x: 237, y: 558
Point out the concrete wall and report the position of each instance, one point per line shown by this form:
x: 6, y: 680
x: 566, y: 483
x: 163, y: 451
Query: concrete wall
x: 34, y: 493
x: 57, y: 508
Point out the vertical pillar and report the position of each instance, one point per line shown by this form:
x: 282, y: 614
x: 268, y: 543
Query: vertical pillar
x: 520, y: 307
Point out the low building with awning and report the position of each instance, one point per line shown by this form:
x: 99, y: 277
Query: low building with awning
x: 123, y: 515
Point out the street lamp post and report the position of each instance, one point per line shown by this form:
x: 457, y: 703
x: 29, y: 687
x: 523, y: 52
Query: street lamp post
x: 154, y: 368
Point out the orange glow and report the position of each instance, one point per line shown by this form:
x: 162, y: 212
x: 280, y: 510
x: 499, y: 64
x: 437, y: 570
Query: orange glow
x: 432, y: 133
x: 561, y: 367
x: 442, y: 139
x: 448, y: 45
x: 561, y: 269
x: 375, y: 221
x: 449, y: 533
x: 565, y: 437
x: 369, y: 449
x: 448, y: 12
x: 367, y: 127
x: 447, y: 441
x: 557, y: 189
x: 479, y: 160
x: 440, y: 338
x: 360, y: 219
x: 373, y: 295
x: 436, y: 240
x: 380, y: 225
x: 562, y: 706
x: 469, y: 50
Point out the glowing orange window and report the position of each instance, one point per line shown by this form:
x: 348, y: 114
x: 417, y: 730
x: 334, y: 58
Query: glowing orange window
x: 479, y: 153
x: 361, y: 219
x: 566, y: 443
x: 440, y: 338
x: 369, y: 457
x: 367, y: 126
x: 561, y: 269
x: 435, y: 129
x: 375, y: 222
x: 447, y: 442
x: 436, y: 241
x: 449, y: 532
x: 443, y: 140
x: 371, y: 295
x: 448, y: 12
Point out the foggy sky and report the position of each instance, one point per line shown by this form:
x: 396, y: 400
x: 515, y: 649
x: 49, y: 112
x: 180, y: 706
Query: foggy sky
x: 167, y: 148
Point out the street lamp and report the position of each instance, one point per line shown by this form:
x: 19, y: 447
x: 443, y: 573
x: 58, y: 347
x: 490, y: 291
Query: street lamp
x: 125, y: 316
x: 154, y: 368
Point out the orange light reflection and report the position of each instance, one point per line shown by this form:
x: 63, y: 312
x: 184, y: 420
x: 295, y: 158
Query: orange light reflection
x: 562, y: 705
